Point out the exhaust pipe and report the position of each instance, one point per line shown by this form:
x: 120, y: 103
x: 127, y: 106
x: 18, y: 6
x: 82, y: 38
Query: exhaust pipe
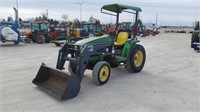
x: 57, y: 83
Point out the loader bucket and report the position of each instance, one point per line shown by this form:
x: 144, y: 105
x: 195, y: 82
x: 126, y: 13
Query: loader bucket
x: 57, y: 83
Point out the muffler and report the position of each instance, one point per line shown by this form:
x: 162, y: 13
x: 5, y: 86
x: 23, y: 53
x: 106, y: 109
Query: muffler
x: 57, y: 82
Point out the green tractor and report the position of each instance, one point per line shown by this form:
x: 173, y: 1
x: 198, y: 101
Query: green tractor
x: 39, y: 33
x: 93, y: 29
x: 98, y: 54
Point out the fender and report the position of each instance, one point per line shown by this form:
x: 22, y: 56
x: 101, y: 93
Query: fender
x: 127, y: 47
x: 40, y: 33
x: 28, y: 34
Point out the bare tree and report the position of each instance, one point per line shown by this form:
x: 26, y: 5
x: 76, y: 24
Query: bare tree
x: 65, y: 17
x: 92, y: 19
x: 44, y: 16
x: 1, y: 19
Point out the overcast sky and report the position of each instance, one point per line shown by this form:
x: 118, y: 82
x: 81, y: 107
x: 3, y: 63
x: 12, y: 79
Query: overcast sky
x: 170, y: 12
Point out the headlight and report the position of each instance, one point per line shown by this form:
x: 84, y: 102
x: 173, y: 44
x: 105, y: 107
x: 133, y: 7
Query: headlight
x: 75, y: 47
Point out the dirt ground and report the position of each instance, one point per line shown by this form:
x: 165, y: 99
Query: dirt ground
x: 169, y: 81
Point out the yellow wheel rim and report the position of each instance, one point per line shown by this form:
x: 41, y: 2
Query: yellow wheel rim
x: 104, y: 72
x: 138, y: 58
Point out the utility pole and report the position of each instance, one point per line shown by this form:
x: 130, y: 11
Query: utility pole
x: 111, y: 19
x: 156, y: 19
x: 17, y: 12
x: 80, y: 3
x: 17, y: 4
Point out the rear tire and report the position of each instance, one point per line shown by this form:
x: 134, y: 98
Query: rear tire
x: 194, y: 38
x: 101, y: 72
x: 136, y: 59
x: 40, y: 39
x: 47, y: 38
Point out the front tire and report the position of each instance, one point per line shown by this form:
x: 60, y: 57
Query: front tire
x: 57, y: 44
x: 16, y: 42
x: 40, y: 39
x: 101, y: 72
x: 90, y: 35
x: 72, y: 68
x: 47, y: 38
x: 136, y: 59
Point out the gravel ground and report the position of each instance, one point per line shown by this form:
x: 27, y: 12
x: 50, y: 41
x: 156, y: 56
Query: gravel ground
x: 169, y: 81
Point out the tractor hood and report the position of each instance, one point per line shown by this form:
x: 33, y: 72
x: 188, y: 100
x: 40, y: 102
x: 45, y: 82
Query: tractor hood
x: 105, y: 39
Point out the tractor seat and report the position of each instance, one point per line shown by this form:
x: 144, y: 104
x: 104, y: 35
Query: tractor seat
x: 121, y: 39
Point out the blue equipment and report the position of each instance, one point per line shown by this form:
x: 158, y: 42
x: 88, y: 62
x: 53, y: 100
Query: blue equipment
x: 196, y: 46
x: 9, y: 30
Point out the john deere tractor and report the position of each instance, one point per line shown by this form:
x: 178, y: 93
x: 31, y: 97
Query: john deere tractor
x: 98, y: 54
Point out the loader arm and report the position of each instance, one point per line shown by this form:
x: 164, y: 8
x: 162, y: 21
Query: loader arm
x: 86, y: 53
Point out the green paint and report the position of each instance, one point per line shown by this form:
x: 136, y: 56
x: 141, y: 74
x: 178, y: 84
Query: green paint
x: 128, y: 46
x: 118, y: 51
x: 121, y: 59
x: 97, y: 58
x: 118, y: 8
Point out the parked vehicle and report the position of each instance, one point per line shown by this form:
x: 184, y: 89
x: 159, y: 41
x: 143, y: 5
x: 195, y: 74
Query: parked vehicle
x: 9, y: 31
x: 39, y: 33
x: 98, y: 54
x: 93, y: 29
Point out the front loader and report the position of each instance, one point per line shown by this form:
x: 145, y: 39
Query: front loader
x: 98, y: 54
